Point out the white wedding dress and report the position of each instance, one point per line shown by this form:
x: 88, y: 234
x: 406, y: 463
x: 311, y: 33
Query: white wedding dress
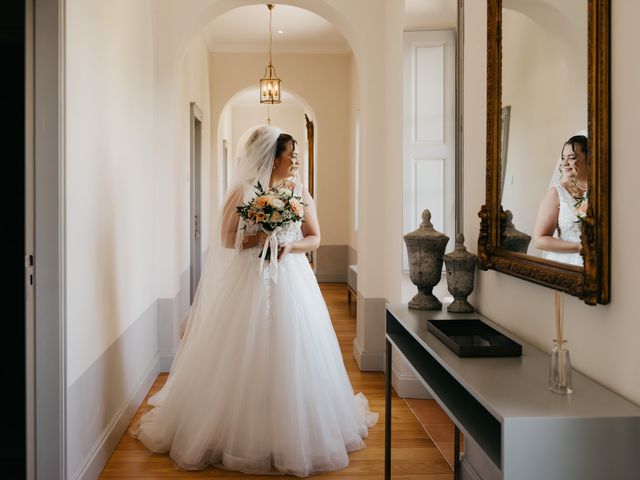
x: 262, y: 387
x: 567, y: 229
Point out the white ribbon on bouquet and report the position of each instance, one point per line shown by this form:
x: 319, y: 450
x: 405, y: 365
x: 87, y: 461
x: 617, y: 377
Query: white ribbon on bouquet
x: 272, y: 243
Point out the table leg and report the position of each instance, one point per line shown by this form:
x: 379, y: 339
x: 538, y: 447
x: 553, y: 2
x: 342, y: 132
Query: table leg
x: 387, y: 412
x: 456, y: 453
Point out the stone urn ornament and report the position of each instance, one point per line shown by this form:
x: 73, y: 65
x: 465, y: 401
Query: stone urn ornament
x: 514, y: 240
x: 425, y: 248
x: 461, y: 270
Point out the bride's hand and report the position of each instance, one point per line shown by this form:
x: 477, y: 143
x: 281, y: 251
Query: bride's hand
x: 284, y: 250
x: 262, y: 237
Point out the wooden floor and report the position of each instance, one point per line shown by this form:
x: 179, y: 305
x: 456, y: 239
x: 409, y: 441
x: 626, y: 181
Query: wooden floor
x: 414, y: 455
x: 437, y: 424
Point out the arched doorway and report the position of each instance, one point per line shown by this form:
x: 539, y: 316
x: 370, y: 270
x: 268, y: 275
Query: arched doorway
x: 292, y: 116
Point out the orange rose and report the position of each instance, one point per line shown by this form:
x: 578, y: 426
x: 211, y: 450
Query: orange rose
x: 262, y: 201
x: 296, y: 207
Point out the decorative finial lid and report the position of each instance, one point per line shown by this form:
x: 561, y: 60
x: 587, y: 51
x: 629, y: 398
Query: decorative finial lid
x: 460, y: 252
x: 509, y: 218
x: 426, y: 219
x: 426, y: 230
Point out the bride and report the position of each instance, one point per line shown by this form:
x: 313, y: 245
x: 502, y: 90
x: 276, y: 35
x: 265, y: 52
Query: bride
x: 258, y: 383
x: 564, y: 205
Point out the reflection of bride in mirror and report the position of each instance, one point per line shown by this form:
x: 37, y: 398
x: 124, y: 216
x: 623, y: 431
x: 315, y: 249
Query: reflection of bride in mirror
x: 558, y: 222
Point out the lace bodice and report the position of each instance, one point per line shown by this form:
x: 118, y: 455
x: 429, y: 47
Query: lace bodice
x: 290, y: 233
x: 568, y: 226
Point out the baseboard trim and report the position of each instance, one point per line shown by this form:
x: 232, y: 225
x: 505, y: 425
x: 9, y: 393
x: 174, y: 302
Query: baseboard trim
x: 108, y: 441
x: 332, y: 263
x: 162, y: 319
x: 331, y: 278
x: 368, y: 361
x: 408, y: 386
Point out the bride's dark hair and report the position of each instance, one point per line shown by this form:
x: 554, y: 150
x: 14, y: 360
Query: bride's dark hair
x: 283, y: 139
x: 578, y: 140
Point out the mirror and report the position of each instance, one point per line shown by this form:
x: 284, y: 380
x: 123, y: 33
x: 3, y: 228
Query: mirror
x: 544, y: 104
x: 546, y: 216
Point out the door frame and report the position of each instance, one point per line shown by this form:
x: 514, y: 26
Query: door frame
x: 195, y: 188
x: 45, y: 238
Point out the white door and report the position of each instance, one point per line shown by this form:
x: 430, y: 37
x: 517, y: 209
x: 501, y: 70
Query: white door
x: 429, y: 131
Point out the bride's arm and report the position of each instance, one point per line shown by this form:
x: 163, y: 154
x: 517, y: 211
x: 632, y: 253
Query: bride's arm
x: 310, y: 226
x: 230, y: 219
x: 546, y: 224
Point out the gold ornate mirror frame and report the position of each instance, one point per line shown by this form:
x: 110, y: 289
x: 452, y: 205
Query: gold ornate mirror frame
x: 310, y: 155
x: 591, y: 283
x: 310, y: 170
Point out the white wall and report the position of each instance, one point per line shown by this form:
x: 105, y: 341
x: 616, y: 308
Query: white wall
x: 193, y: 87
x: 126, y: 181
x: 603, y: 340
x: 111, y: 174
x: 179, y: 79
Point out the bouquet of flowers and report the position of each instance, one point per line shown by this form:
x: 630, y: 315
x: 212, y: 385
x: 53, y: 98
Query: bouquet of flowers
x: 271, y: 209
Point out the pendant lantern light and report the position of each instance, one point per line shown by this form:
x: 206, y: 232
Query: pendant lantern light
x: 270, y: 83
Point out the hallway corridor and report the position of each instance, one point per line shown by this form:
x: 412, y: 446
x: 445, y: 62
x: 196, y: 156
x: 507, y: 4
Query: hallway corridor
x: 414, y: 454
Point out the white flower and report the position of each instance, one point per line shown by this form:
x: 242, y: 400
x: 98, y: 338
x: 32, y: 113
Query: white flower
x: 277, y: 203
x: 284, y: 191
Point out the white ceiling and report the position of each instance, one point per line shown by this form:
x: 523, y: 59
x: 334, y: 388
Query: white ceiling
x: 246, y: 29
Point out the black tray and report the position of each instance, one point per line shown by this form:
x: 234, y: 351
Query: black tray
x: 474, y: 338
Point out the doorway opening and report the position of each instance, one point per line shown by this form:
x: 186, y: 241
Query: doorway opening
x: 196, y: 116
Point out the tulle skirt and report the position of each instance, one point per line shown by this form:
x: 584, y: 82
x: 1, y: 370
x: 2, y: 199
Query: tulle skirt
x: 259, y: 386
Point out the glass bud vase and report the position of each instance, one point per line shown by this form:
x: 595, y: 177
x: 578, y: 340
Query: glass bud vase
x: 560, y: 369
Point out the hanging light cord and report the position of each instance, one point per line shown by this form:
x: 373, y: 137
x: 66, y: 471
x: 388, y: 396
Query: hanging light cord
x: 270, y: 7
